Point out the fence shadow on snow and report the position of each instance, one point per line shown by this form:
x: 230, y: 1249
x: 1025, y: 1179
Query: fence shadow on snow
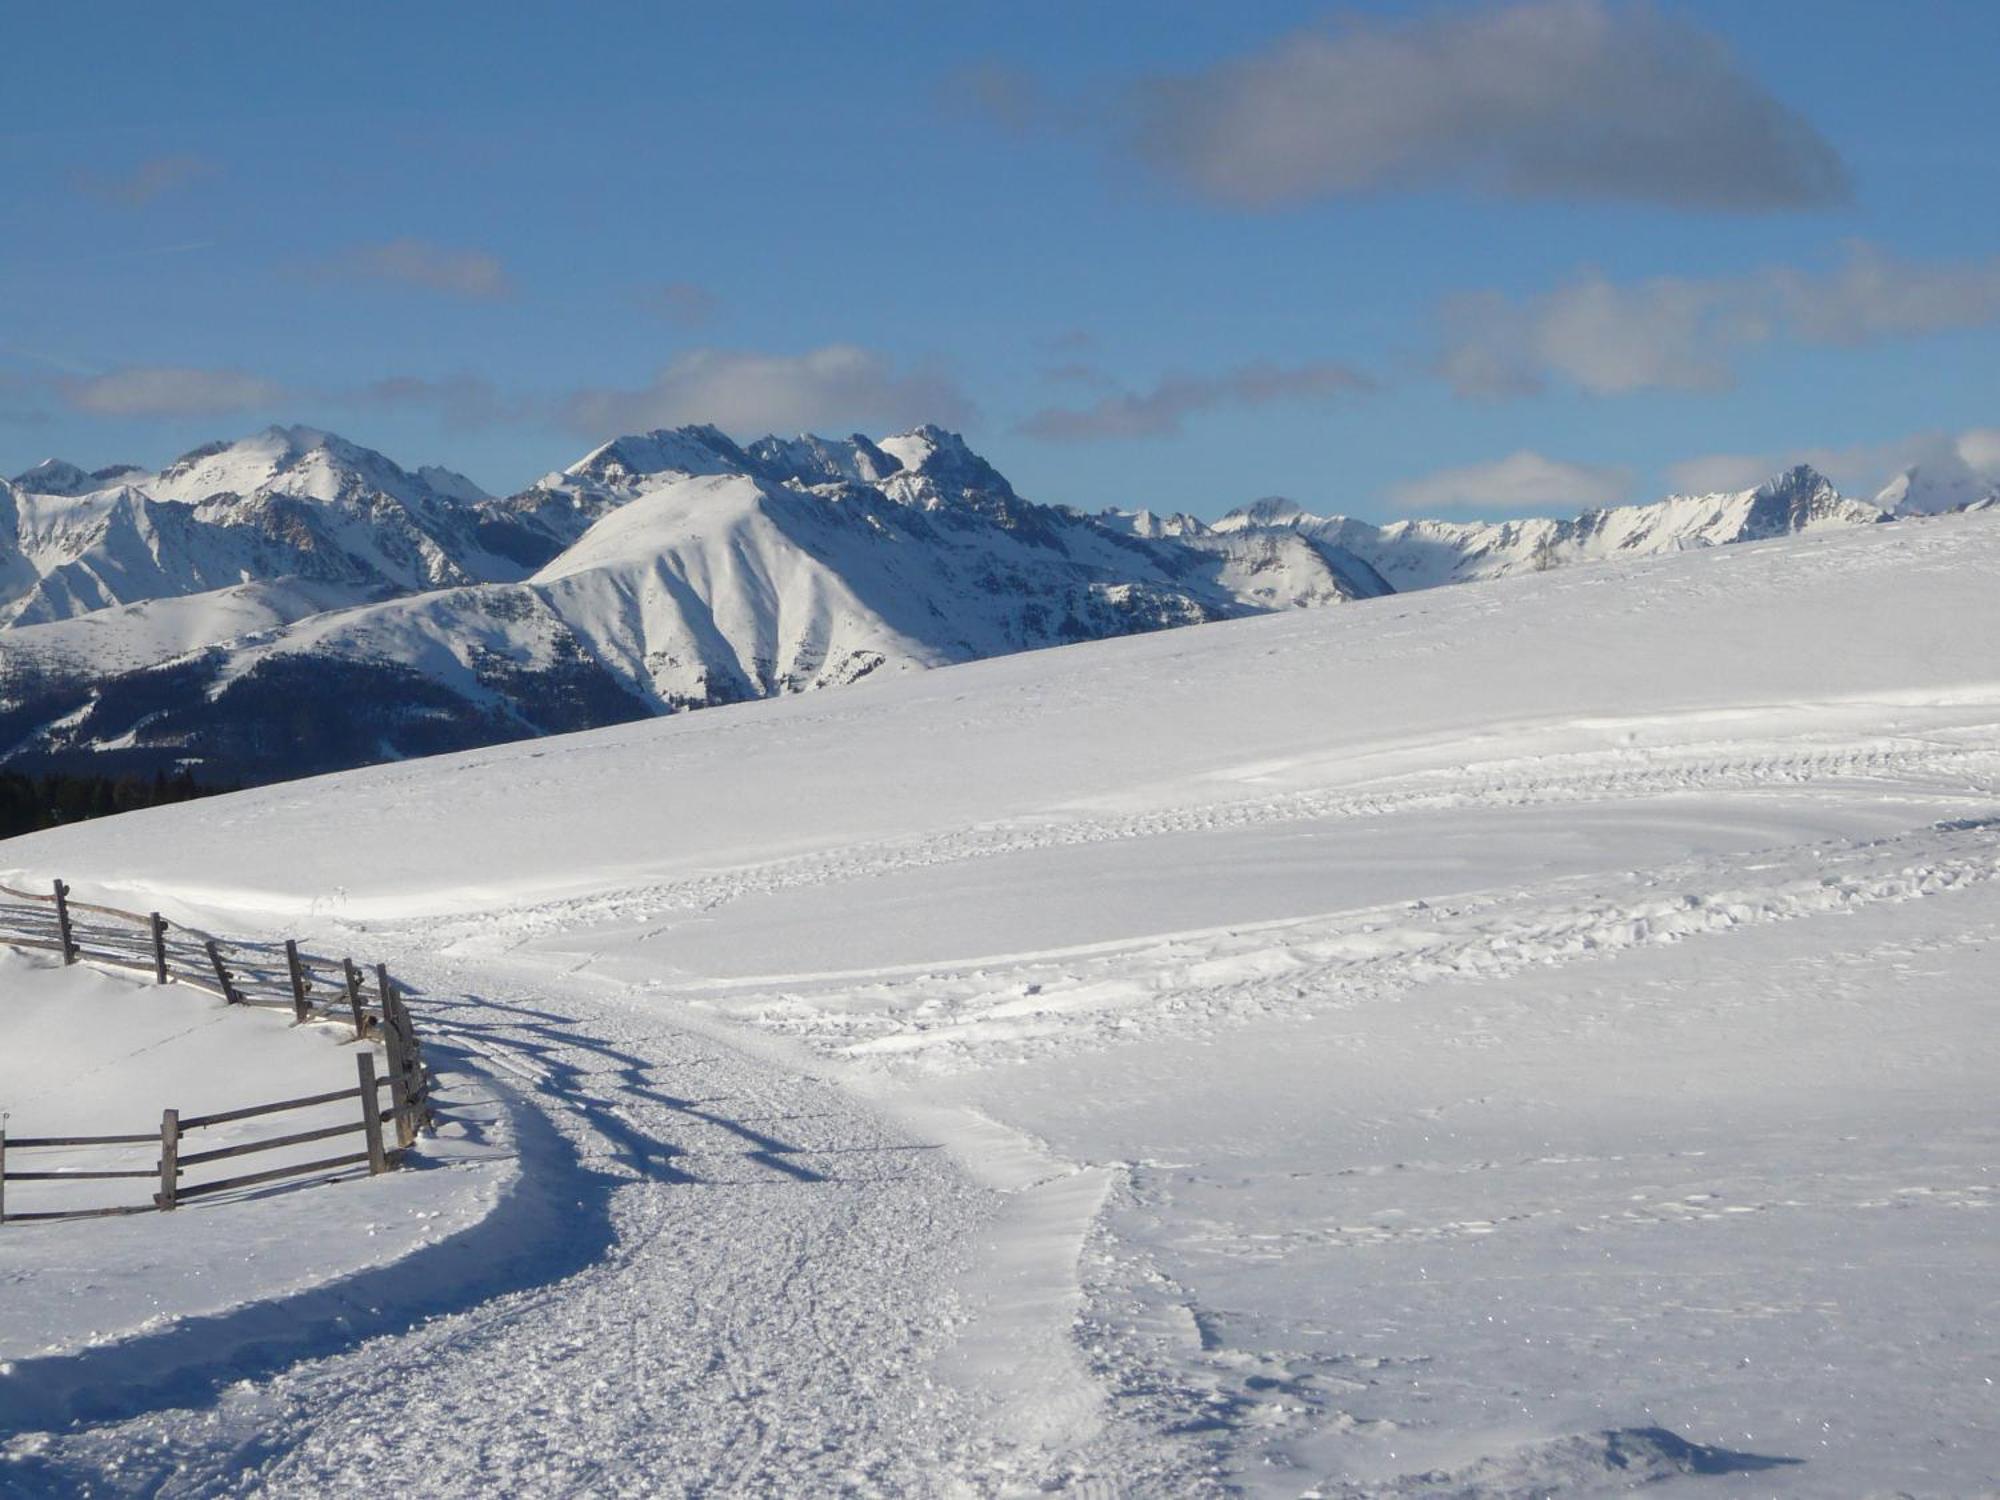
x: 256, y: 975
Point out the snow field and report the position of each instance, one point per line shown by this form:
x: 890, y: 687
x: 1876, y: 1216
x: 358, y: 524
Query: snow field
x: 1524, y: 1039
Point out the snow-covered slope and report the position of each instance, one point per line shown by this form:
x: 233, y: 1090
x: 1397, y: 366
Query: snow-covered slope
x: 1518, y: 1040
x: 714, y: 589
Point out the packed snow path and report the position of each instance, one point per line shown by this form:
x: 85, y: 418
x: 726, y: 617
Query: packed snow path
x: 768, y: 1271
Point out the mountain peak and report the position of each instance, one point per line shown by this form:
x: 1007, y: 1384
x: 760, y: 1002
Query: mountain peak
x: 274, y: 444
x: 299, y: 437
x: 452, y: 485
x: 917, y: 446
x: 53, y: 476
x: 699, y: 448
x: 1799, y: 479
x: 1272, y: 510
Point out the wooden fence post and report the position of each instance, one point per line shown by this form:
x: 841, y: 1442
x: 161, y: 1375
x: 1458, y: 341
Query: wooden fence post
x: 159, y: 948
x: 170, y: 1158
x: 400, y: 1096
x: 69, y: 949
x: 418, y: 1090
x: 371, y: 1112
x: 301, y: 1007
x: 395, y: 1022
x: 229, y: 995
x: 353, y: 976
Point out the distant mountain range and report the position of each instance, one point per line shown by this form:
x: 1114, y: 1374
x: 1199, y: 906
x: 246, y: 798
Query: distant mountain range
x: 292, y: 603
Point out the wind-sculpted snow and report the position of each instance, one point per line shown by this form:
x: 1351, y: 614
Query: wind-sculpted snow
x: 1518, y: 1040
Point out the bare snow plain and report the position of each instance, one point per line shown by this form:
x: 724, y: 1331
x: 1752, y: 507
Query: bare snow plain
x: 1528, y: 1038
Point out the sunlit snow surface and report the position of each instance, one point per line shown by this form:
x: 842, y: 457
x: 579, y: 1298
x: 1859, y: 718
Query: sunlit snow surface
x: 1529, y: 1038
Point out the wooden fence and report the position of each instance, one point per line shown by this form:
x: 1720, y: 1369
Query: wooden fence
x: 240, y: 974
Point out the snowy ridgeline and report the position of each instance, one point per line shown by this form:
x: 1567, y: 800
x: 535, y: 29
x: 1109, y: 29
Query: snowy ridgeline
x: 292, y: 602
x: 1530, y: 1039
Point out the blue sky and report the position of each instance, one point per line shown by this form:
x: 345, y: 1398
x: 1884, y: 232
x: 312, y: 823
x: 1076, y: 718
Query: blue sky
x: 1483, y: 257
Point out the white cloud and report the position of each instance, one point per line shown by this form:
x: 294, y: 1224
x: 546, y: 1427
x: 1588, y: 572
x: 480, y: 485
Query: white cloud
x: 169, y: 391
x: 1520, y: 481
x: 474, y: 274
x: 838, y: 386
x: 1547, y: 98
x: 1713, y: 473
x: 1683, y: 333
x: 1968, y: 460
x: 1875, y: 296
x: 1162, y: 409
x: 1979, y: 450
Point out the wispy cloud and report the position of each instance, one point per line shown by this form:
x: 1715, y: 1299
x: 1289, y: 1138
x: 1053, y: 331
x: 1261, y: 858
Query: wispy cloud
x: 1519, y: 481
x: 838, y: 386
x: 145, y: 181
x: 1687, y: 333
x: 1079, y: 372
x: 1012, y: 98
x: 1600, y: 99
x: 20, y: 401
x: 460, y: 402
x: 452, y: 271
x: 685, y: 303
x: 1070, y: 341
x: 1162, y: 409
x: 168, y: 391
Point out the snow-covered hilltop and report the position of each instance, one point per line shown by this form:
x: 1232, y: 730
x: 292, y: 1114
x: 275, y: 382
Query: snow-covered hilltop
x: 293, y: 602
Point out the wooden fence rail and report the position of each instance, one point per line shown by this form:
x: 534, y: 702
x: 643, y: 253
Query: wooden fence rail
x: 240, y: 974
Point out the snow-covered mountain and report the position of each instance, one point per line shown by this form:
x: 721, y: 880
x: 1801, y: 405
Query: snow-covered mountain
x: 671, y: 570
x: 292, y: 602
x: 289, y: 502
x: 1424, y: 554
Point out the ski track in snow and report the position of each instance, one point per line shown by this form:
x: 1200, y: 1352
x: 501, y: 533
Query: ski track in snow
x: 937, y: 1015
x: 1895, y: 765
x: 1189, y: 981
